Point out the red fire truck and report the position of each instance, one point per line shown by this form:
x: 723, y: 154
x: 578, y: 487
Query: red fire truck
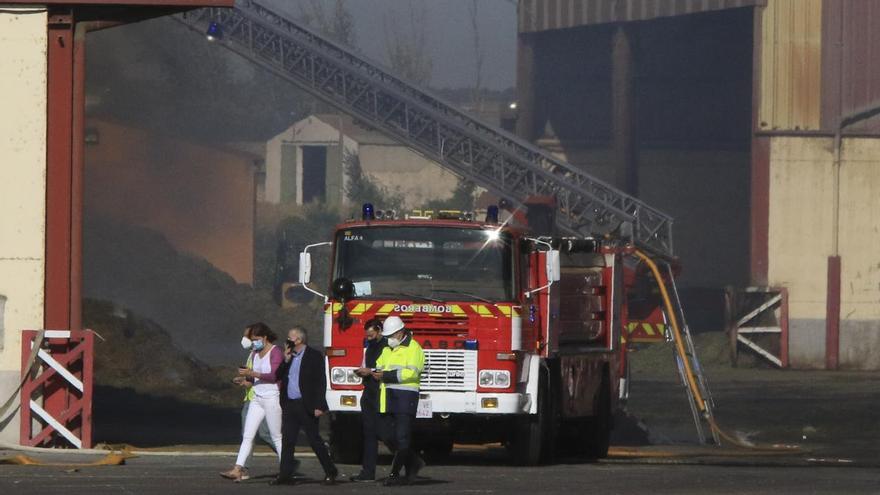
x: 522, y: 333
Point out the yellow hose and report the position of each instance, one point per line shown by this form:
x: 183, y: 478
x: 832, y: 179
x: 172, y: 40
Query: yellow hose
x: 689, y: 373
x: 111, y: 459
x: 678, y: 452
x: 673, y: 320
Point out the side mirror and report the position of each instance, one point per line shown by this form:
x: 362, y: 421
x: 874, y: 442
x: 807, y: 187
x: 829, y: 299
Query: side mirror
x: 552, y: 268
x: 554, y: 272
x: 305, y: 267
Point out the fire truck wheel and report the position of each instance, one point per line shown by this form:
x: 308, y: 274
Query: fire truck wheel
x: 346, y: 438
x: 533, y: 439
x: 596, y: 433
x: 525, y: 446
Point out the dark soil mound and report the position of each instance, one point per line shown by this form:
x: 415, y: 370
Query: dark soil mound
x: 148, y: 392
x: 138, y: 354
x: 202, y: 308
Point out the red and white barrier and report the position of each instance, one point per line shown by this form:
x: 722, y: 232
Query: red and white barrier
x: 56, y: 395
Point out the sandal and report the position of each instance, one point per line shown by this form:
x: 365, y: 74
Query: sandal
x: 235, y: 474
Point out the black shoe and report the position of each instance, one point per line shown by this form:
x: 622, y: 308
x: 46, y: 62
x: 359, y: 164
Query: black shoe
x: 362, y: 477
x: 330, y: 479
x: 412, y: 472
x: 395, y: 480
x: 282, y: 480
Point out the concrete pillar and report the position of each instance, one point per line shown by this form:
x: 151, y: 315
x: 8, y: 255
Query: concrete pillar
x: 526, y: 87
x: 623, y: 110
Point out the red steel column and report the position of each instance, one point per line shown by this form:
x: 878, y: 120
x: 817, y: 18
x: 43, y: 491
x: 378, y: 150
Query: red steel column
x: 59, y: 169
x: 77, y: 174
x: 832, y: 314
x: 59, y: 181
x: 760, y: 210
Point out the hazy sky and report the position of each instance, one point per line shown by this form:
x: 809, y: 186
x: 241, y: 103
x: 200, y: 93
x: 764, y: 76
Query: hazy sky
x: 449, y: 32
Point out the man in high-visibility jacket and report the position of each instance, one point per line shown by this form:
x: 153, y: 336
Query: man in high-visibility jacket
x: 399, y: 370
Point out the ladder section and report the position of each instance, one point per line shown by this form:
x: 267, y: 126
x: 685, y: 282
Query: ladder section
x: 504, y: 164
x: 700, y: 378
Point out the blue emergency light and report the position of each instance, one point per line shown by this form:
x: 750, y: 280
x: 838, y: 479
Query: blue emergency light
x: 492, y: 214
x: 367, y: 212
x: 471, y: 345
x: 214, y: 32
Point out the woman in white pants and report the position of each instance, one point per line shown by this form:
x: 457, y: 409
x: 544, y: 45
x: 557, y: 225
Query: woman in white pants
x: 266, y: 358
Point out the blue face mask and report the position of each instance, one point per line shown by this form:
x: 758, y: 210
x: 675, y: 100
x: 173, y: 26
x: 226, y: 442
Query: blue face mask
x: 258, y: 345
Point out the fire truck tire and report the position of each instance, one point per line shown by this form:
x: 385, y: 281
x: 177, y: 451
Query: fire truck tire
x: 596, y: 434
x: 525, y: 445
x: 534, y: 439
x: 346, y: 438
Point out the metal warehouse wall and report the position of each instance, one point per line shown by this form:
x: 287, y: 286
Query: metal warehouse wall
x: 543, y: 15
x: 850, y: 72
x: 817, y: 62
x: 790, y: 67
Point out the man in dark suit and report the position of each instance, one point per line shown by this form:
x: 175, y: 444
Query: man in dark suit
x: 303, y: 400
x: 374, y: 344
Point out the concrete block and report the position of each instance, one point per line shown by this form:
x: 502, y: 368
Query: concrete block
x: 806, y: 343
x: 860, y: 344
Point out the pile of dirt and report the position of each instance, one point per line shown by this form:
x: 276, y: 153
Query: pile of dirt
x: 148, y: 392
x: 203, y: 309
x: 713, y: 352
x: 137, y: 354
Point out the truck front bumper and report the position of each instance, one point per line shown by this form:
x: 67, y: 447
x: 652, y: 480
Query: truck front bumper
x: 445, y: 402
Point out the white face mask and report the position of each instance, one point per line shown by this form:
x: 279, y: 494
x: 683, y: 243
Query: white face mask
x: 246, y: 343
x: 392, y: 342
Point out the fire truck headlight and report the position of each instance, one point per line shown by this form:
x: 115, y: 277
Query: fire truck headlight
x: 487, y: 378
x: 337, y: 376
x: 353, y: 378
x: 494, y: 378
x: 344, y: 376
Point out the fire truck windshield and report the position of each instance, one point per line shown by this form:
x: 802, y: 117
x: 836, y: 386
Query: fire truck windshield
x: 431, y: 263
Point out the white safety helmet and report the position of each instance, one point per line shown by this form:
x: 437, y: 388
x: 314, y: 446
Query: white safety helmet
x: 392, y: 325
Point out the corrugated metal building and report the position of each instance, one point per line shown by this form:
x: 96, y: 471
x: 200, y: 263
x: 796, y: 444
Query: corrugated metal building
x: 724, y: 113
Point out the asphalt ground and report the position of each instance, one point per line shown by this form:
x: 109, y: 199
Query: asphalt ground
x: 831, y: 416
x: 464, y: 472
